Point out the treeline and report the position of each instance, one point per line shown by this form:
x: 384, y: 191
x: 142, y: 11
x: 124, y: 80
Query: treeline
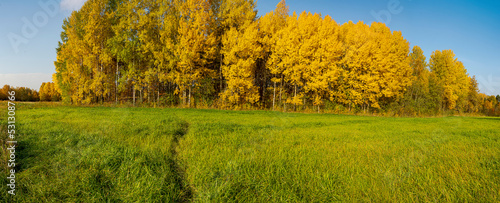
x: 48, y: 92
x: 22, y: 93
x: 218, y: 53
x: 491, y: 105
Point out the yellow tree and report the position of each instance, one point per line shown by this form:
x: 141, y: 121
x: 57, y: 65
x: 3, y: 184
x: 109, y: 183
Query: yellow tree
x: 374, y: 66
x: 125, y: 46
x: 451, y: 75
x: 323, y: 71
x: 287, y: 48
x: 319, y: 53
x: 462, y: 83
x: 367, y: 70
x: 54, y: 92
x: 307, y: 31
x: 418, y: 95
x: 155, y: 47
x: 49, y: 92
x: 228, y: 14
x: 241, y: 51
x: 4, y: 92
x: 44, y: 92
x: 164, y: 51
x: 73, y: 76
x: 390, y: 70
x: 97, y: 30
x: 473, y: 98
x: 354, y: 75
x: 236, y: 13
x: 62, y: 77
x: 196, y: 46
x: 57, y: 89
x: 270, y: 28
x: 420, y: 86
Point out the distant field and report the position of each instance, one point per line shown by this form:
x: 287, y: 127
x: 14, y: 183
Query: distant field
x: 104, y: 154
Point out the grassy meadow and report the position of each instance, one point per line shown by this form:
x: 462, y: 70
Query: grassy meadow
x: 107, y: 154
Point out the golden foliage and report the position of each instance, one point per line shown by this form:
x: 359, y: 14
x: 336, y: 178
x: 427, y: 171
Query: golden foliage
x: 219, y: 50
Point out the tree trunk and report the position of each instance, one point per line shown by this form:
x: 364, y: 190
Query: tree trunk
x: 281, y: 89
x: 133, y: 93
x: 295, y: 96
x: 220, y: 73
x: 274, y: 94
x: 264, y: 87
x: 189, y: 100
x: 184, y: 97
x: 116, y: 83
x: 304, y: 101
x: 102, y: 85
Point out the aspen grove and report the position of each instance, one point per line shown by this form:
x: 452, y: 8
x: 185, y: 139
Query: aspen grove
x: 219, y: 53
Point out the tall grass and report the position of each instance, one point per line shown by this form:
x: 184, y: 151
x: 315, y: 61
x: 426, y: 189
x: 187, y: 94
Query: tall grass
x: 97, y: 155
x: 101, y: 154
x: 316, y: 158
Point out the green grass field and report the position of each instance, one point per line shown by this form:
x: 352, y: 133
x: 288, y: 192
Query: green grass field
x: 104, y: 154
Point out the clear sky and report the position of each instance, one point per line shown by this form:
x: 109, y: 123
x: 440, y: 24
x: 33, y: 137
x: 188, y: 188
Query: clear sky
x: 29, y: 32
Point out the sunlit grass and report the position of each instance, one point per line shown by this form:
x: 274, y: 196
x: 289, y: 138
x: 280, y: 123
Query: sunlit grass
x: 95, y: 154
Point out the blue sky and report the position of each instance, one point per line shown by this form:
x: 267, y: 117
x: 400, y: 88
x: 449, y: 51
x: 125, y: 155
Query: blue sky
x: 469, y: 28
x: 29, y: 32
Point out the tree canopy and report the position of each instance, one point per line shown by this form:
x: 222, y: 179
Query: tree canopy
x: 220, y: 53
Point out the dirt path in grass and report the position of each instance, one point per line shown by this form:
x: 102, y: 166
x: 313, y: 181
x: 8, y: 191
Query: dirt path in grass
x: 178, y: 170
